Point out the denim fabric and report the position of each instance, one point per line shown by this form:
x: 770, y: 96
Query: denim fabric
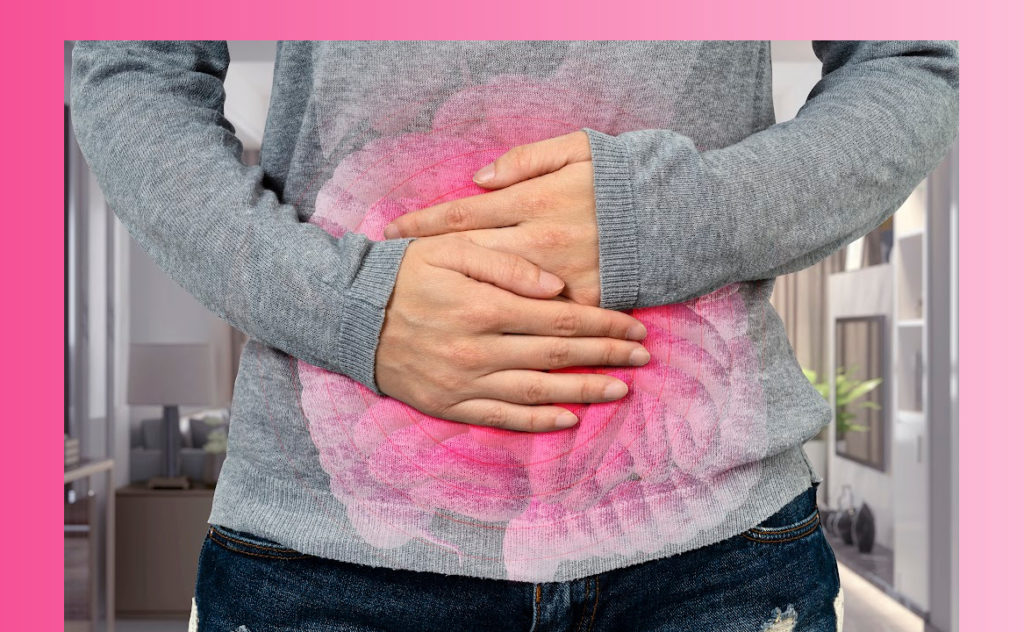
x: 780, y: 575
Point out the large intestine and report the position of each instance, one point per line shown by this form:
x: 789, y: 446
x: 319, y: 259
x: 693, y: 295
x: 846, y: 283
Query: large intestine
x: 641, y: 472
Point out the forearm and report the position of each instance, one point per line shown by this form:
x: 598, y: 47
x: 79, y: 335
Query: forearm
x: 676, y: 223
x: 149, y: 119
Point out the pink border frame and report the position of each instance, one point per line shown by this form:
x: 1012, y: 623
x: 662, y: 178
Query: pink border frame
x: 990, y: 333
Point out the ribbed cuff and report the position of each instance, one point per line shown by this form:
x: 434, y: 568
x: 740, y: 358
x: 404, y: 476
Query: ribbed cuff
x: 365, y: 304
x: 616, y: 221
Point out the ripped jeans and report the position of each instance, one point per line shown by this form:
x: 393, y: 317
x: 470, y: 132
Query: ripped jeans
x: 779, y: 576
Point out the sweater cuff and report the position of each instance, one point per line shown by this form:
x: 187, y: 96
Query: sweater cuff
x: 364, y: 308
x: 616, y: 221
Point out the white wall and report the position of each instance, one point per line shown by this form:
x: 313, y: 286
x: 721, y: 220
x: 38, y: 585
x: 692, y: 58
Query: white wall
x: 795, y: 70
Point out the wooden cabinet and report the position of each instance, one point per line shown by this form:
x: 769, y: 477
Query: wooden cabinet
x: 159, y: 535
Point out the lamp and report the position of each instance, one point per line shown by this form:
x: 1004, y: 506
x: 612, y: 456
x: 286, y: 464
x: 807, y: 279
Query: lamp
x: 171, y: 375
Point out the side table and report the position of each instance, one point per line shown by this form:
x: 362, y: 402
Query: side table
x: 159, y: 535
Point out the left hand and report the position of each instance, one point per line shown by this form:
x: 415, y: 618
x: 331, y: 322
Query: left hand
x: 540, y: 206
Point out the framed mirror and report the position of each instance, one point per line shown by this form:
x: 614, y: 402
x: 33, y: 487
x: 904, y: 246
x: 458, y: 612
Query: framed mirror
x: 861, y: 385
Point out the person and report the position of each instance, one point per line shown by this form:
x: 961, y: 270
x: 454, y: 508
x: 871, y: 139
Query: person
x: 511, y: 360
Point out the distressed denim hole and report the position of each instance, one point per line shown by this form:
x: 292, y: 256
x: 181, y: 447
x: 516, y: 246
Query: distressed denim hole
x: 782, y: 621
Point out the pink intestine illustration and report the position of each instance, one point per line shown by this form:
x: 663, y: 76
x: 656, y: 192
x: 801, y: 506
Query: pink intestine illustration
x: 641, y: 472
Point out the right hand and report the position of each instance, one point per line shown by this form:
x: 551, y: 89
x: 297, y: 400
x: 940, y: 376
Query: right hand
x: 448, y: 346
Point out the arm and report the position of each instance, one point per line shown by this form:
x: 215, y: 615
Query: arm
x: 149, y: 119
x: 880, y: 119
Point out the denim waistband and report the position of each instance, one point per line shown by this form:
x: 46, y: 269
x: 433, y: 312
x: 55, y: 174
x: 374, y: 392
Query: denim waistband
x: 795, y: 510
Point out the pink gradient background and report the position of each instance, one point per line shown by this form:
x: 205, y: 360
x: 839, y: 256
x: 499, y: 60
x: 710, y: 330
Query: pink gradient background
x: 991, y: 335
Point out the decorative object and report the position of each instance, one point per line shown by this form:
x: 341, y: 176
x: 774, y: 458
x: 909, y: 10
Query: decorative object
x: 171, y: 375
x: 864, y: 529
x: 71, y: 452
x: 856, y: 527
x: 844, y: 525
x: 823, y: 388
x: 816, y: 448
x: 842, y: 520
x: 848, y: 390
x: 202, y: 424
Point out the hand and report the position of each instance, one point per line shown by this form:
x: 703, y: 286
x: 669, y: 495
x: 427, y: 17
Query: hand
x: 542, y: 208
x: 448, y: 346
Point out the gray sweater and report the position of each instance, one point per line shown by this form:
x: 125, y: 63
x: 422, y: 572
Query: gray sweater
x: 702, y: 200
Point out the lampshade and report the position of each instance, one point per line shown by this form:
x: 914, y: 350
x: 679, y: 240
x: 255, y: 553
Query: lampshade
x: 173, y: 374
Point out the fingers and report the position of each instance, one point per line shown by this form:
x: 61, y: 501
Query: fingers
x: 502, y: 269
x: 520, y: 386
x: 490, y: 210
x: 534, y: 159
x: 499, y: 414
x: 511, y: 351
x: 486, y: 210
x: 520, y: 315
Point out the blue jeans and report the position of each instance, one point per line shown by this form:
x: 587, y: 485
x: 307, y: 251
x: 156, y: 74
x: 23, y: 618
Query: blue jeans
x: 780, y: 575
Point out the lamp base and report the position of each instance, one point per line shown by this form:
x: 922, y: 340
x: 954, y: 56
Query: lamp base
x: 168, y: 482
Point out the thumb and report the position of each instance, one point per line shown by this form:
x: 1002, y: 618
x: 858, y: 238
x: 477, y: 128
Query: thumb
x: 534, y: 159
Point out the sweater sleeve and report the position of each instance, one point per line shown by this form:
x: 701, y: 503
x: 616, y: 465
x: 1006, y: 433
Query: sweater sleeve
x: 149, y: 118
x: 676, y: 223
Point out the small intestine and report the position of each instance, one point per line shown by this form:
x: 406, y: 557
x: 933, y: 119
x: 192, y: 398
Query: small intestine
x: 635, y: 474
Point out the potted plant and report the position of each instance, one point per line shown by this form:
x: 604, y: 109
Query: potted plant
x: 817, y: 446
x: 848, y: 390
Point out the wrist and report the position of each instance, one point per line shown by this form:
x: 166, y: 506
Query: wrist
x: 618, y: 242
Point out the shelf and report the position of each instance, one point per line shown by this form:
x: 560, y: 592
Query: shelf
x: 910, y: 416
x: 82, y: 559
x: 87, y: 467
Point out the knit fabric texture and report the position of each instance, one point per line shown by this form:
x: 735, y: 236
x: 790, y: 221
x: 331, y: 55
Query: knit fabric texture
x: 701, y: 199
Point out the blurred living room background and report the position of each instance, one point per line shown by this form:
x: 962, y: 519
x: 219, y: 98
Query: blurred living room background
x: 149, y: 373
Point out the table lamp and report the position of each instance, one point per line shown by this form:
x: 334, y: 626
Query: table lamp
x: 171, y: 375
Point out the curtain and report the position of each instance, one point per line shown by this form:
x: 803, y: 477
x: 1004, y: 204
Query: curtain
x: 801, y: 299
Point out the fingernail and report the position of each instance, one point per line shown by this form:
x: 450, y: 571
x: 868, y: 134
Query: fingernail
x: 565, y: 420
x: 639, y: 357
x: 615, y: 390
x: 391, y: 231
x: 637, y: 332
x: 550, y: 282
x: 485, y: 174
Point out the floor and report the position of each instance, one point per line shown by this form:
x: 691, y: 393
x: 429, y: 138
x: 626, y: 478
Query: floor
x: 147, y: 625
x: 867, y: 610
x: 876, y: 566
